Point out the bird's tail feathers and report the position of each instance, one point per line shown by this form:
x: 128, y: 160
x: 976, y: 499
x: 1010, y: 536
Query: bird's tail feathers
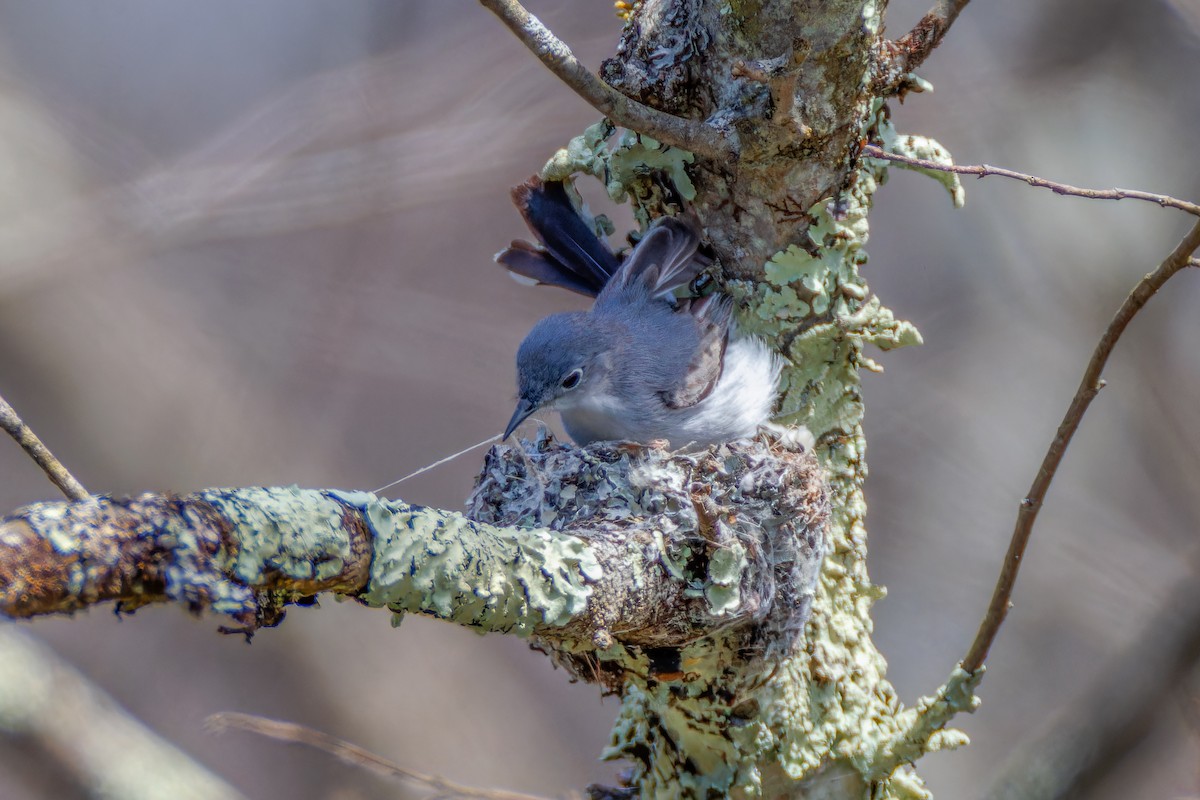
x: 570, y: 254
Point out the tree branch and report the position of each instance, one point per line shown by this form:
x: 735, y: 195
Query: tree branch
x: 352, y: 754
x: 1089, y: 387
x: 602, y: 579
x: 54, y: 469
x: 985, y: 170
x: 896, y: 59
x: 244, y: 553
x: 697, y: 137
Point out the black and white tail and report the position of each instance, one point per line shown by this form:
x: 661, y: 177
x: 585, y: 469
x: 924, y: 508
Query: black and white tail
x: 570, y: 255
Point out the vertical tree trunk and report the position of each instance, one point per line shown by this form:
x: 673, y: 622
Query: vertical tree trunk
x: 791, y: 85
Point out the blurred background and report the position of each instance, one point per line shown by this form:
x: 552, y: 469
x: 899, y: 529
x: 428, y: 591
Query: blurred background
x: 248, y: 244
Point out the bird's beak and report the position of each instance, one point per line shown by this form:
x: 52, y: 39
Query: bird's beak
x: 524, y: 410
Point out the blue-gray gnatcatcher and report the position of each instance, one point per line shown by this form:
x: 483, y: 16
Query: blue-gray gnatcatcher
x: 641, y: 365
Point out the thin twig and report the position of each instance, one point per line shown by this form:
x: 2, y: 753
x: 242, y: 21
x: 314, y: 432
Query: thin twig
x: 54, y: 469
x: 985, y: 170
x: 696, y: 137
x: 351, y: 754
x: 1089, y: 387
x: 902, y: 56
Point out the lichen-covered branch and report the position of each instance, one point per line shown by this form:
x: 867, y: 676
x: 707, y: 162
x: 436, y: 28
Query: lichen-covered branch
x: 636, y: 568
x: 246, y: 553
x: 593, y: 550
x: 897, y: 59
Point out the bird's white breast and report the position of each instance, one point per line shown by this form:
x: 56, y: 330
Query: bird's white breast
x: 742, y: 400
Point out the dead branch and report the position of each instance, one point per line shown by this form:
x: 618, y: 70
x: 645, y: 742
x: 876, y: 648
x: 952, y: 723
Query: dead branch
x: 985, y: 170
x: 900, y: 57
x: 352, y: 754
x: 1089, y: 387
x: 58, y: 474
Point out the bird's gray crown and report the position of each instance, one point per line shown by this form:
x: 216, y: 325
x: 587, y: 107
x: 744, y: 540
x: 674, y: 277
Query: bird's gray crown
x: 555, y: 347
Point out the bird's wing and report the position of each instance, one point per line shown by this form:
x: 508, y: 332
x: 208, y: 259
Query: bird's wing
x: 667, y: 257
x: 571, y: 255
x: 712, y: 315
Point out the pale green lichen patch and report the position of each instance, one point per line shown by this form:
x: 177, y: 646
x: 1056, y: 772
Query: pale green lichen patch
x: 921, y: 729
x: 833, y: 710
x: 286, y: 530
x: 625, y: 167
x: 925, y: 148
x: 484, y: 577
x: 726, y: 567
x: 821, y: 311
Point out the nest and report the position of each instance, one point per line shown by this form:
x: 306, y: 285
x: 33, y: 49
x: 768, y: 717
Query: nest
x: 724, y: 542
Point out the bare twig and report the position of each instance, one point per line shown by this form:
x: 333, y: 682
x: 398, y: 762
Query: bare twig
x: 985, y: 170
x: 54, y: 469
x: 696, y: 137
x: 1089, y: 387
x: 352, y: 754
x: 900, y: 57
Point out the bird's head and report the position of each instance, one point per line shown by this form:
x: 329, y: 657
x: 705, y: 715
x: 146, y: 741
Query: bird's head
x: 561, y: 361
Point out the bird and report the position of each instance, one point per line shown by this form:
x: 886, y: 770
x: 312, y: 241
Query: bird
x: 642, y: 365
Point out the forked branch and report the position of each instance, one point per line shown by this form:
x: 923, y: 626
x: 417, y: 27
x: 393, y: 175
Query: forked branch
x: 1089, y: 387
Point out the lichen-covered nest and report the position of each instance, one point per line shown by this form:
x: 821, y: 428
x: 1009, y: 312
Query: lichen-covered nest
x: 727, y: 541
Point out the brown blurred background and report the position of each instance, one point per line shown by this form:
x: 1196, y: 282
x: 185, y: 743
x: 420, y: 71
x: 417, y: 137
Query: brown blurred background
x: 250, y: 243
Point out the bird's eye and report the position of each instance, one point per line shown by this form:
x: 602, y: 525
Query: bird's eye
x: 572, y: 379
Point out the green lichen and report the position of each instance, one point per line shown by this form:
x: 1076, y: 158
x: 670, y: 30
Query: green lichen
x: 921, y: 729
x: 927, y: 149
x: 634, y: 167
x: 817, y: 305
x: 725, y: 570
x: 484, y: 577
x: 285, y: 530
x: 831, y: 712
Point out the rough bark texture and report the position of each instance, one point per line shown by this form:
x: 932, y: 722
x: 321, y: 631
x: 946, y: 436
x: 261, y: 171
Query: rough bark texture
x: 792, y: 84
x: 680, y: 55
